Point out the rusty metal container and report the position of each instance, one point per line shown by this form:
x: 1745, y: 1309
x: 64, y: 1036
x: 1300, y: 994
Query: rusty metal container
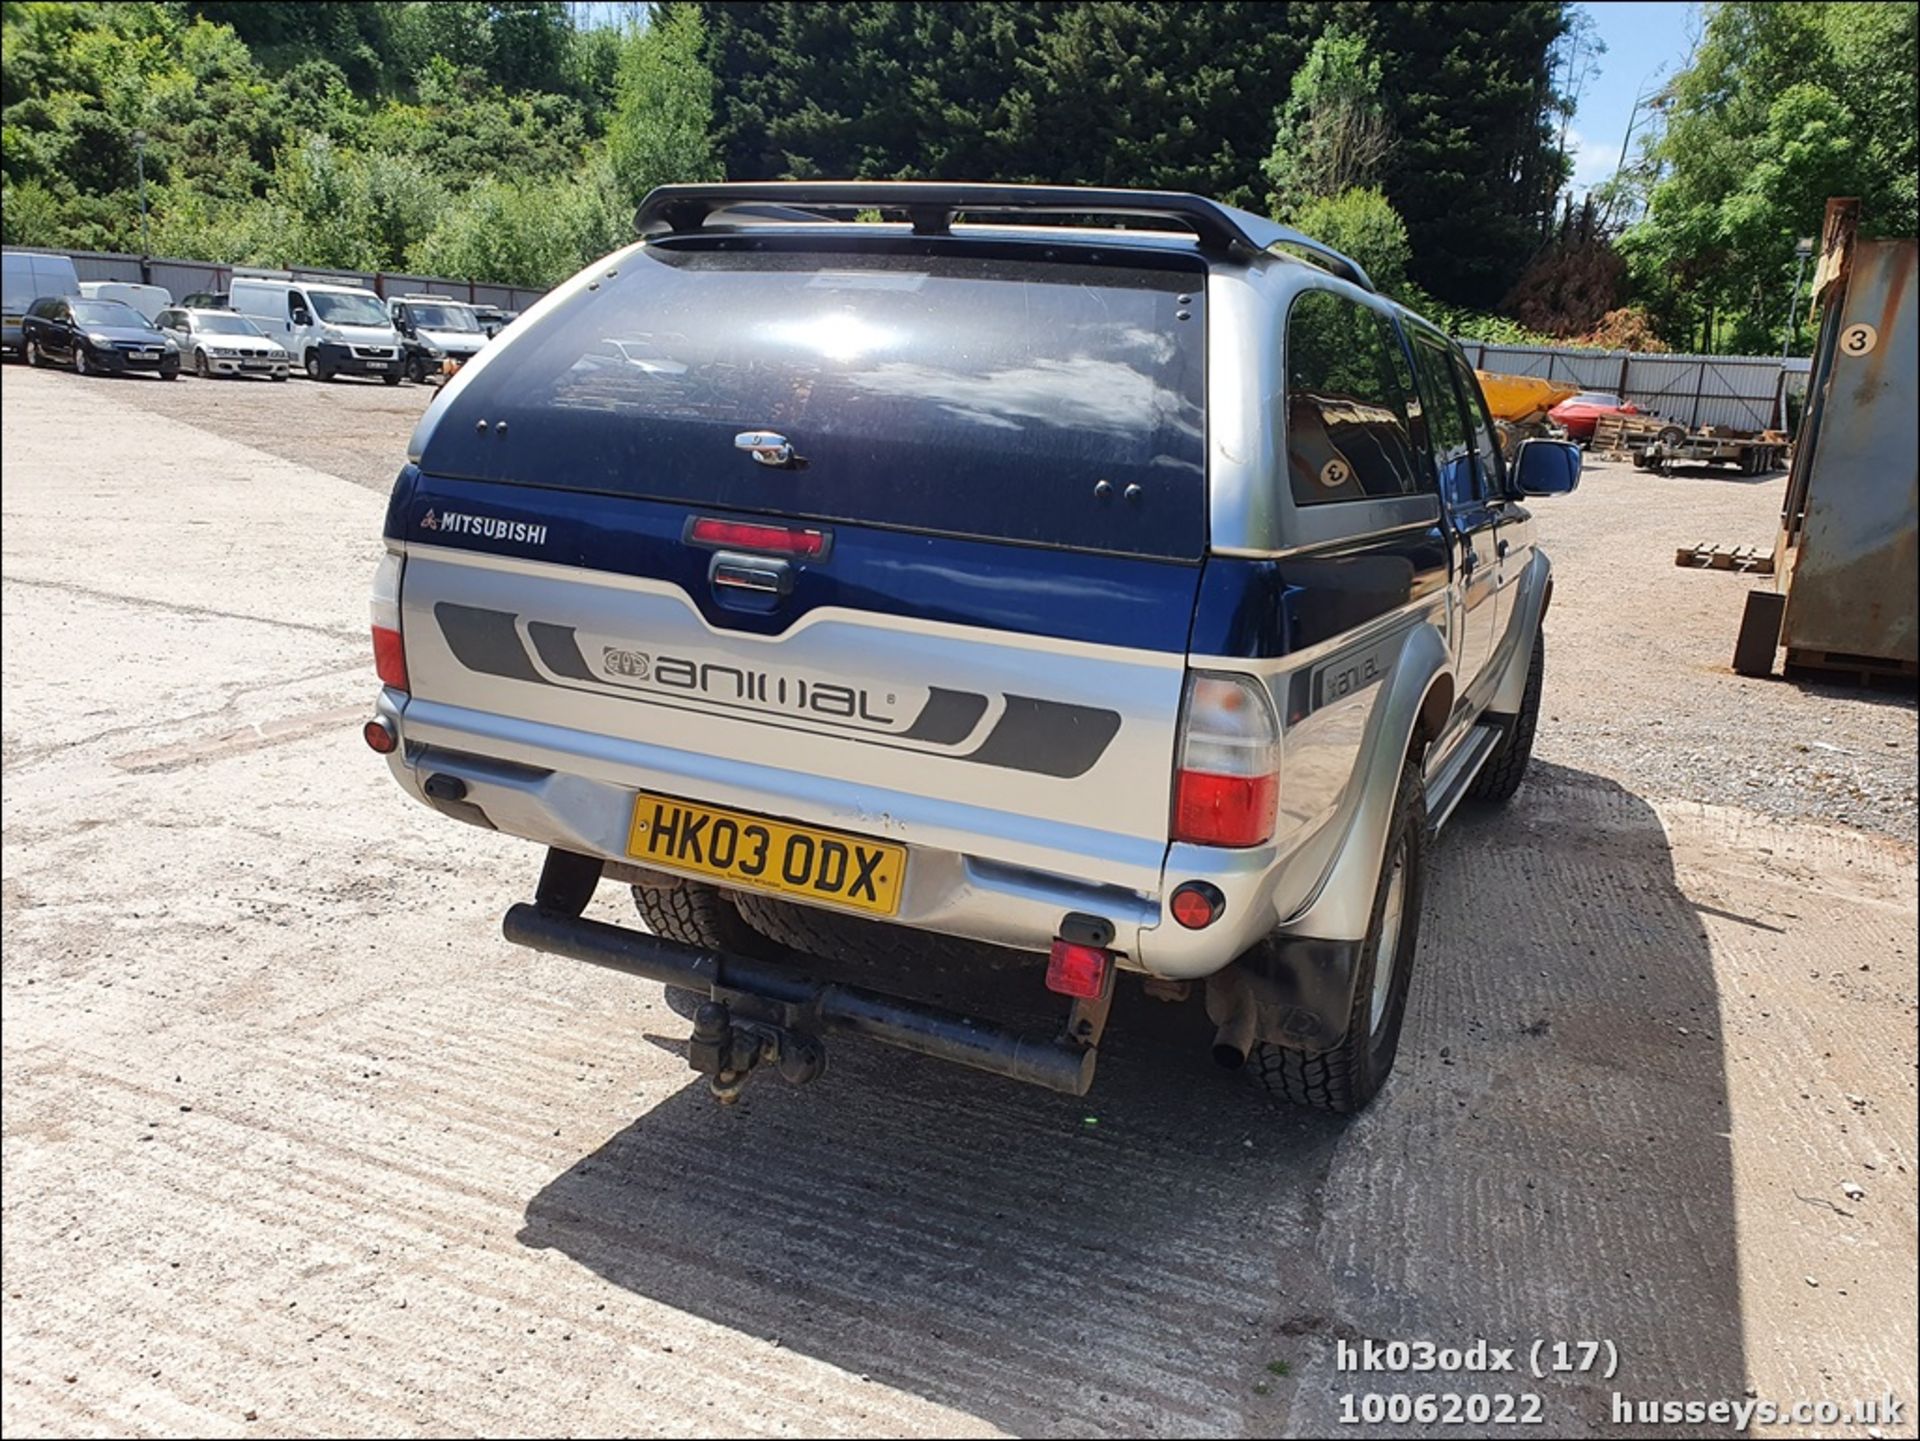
x: 1848, y: 554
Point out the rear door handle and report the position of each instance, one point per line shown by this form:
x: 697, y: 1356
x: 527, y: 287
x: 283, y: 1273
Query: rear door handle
x: 1500, y: 549
x: 737, y: 575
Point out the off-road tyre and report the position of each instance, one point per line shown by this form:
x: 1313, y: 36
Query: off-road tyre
x: 1349, y: 1075
x: 698, y: 915
x: 1500, y: 777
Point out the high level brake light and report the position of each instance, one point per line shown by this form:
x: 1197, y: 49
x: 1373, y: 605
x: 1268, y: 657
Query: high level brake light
x: 745, y: 535
x: 389, y: 653
x: 1226, y: 791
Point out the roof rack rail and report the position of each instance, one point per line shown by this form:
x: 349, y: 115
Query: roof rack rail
x: 932, y: 206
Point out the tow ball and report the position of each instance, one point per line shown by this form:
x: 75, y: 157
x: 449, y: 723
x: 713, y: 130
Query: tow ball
x: 757, y: 1013
x: 728, y: 1049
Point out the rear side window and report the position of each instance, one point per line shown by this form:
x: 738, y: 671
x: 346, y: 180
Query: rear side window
x: 1347, y: 386
x: 1447, y: 427
x: 964, y: 388
x: 1486, y: 448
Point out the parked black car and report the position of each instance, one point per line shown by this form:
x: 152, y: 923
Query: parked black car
x: 96, y: 336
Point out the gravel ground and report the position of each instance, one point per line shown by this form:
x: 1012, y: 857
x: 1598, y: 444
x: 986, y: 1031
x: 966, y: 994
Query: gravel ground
x: 295, y: 1143
x: 1642, y: 687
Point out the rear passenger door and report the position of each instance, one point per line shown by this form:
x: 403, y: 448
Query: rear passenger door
x: 1513, y: 522
x: 1468, y: 496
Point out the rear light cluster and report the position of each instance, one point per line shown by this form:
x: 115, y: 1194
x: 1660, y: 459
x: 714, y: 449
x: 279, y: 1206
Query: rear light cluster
x: 389, y: 654
x: 1226, y: 791
x: 745, y: 535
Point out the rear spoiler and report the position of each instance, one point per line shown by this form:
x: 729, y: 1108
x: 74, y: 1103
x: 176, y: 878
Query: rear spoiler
x: 932, y: 206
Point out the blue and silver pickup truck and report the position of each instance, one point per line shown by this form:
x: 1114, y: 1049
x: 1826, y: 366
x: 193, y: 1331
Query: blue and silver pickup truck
x: 1132, y: 600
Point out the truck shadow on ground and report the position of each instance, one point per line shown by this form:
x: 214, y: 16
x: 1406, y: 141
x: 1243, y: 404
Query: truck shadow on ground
x: 1550, y: 1161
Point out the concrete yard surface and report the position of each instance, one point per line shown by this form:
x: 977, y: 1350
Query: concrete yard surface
x: 294, y: 1142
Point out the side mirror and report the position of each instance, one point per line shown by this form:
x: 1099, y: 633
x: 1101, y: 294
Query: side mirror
x: 1546, y: 467
x: 302, y: 317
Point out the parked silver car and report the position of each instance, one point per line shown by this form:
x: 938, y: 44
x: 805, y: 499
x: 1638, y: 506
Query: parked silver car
x: 224, y: 342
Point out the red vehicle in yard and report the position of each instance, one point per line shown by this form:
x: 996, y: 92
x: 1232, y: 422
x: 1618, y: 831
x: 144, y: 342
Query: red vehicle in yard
x: 1578, y: 414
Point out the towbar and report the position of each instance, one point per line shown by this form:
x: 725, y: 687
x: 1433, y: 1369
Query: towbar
x: 1059, y: 1064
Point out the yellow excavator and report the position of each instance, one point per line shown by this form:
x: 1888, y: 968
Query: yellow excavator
x: 1520, y: 404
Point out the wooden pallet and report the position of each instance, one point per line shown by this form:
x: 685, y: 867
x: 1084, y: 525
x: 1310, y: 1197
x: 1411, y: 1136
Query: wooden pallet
x: 1743, y: 558
x: 1615, y: 437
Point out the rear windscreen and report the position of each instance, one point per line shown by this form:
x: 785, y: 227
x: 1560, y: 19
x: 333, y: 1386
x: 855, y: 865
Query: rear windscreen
x: 960, y: 388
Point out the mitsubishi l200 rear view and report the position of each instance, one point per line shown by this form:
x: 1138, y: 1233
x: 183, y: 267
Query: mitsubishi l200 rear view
x: 1071, y: 606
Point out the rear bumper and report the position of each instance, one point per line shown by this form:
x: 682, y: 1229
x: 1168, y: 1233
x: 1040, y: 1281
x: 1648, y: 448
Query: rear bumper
x: 979, y: 873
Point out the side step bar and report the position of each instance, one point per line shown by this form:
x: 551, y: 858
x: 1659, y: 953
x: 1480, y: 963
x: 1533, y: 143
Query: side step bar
x: 1448, y: 785
x: 780, y: 1007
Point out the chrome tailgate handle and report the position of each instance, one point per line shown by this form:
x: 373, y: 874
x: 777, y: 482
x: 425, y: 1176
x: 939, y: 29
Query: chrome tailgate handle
x: 765, y: 446
x: 742, y: 575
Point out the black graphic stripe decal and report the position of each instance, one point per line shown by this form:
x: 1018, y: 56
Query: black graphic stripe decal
x: 949, y: 717
x: 1042, y: 737
x: 559, y: 651
x: 485, y: 640
x: 1047, y: 737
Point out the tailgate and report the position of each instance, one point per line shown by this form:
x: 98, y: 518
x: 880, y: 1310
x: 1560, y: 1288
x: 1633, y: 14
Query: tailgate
x: 999, y: 701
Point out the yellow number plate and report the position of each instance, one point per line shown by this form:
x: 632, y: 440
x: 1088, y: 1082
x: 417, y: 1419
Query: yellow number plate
x: 769, y: 855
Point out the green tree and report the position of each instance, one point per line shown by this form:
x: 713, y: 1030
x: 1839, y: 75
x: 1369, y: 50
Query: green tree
x: 1474, y: 167
x: 1360, y: 223
x: 534, y: 235
x: 663, y: 120
x: 1154, y: 94
x: 1783, y: 107
x: 29, y: 214
x: 1334, y: 133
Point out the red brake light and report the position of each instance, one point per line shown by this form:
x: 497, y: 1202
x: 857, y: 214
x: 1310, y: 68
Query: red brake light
x: 1075, y: 970
x: 1226, y: 787
x: 744, y: 535
x: 389, y: 657
x: 1211, y: 810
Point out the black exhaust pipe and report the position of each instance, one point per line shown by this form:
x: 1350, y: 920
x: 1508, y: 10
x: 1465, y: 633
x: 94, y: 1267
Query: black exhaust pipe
x: 1055, y: 1063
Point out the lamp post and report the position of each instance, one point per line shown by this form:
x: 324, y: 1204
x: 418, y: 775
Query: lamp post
x: 1803, y: 250
x: 140, y: 163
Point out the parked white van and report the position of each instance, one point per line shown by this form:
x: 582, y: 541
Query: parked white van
x: 149, y: 300
x: 329, y: 329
